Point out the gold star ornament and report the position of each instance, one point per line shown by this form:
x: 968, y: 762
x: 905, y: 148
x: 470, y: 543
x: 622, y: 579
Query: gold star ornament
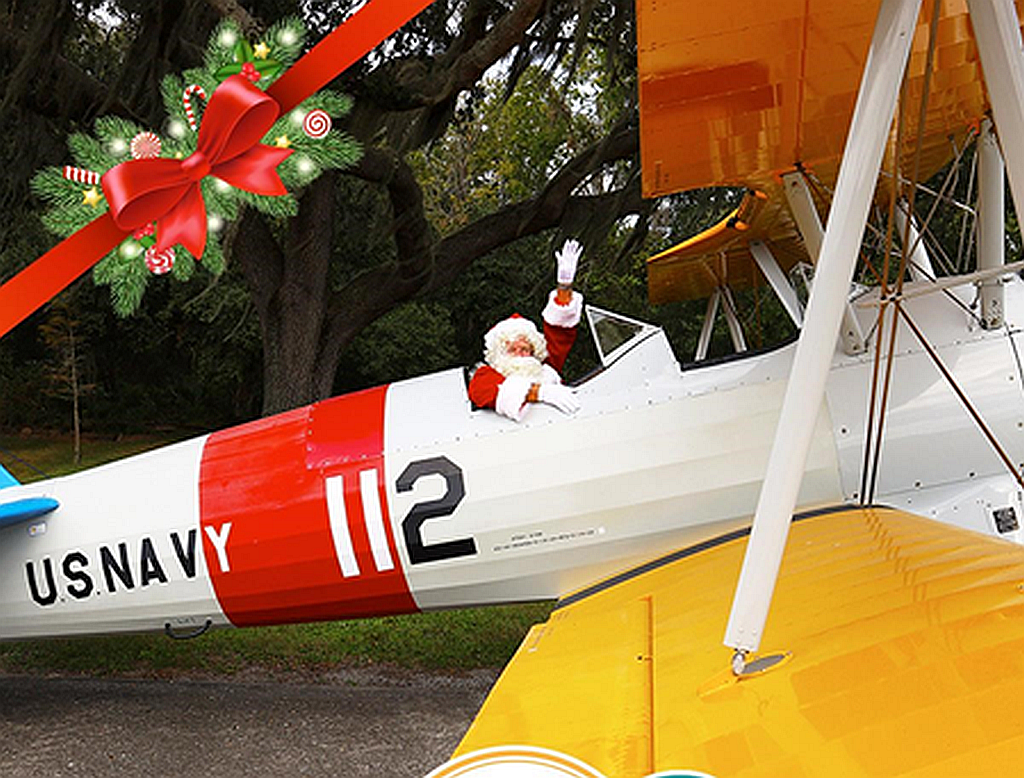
x: 91, y: 196
x: 261, y: 50
x: 282, y: 142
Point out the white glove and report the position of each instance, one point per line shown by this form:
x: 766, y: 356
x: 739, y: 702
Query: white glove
x: 560, y: 396
x: 568, y: 258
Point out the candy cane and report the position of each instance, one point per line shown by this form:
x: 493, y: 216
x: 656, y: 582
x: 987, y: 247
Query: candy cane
x: 186, y: 100
x: 80, y: 175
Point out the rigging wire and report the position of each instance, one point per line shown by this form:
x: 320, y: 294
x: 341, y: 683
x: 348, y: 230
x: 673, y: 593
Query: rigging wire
x: 941, y: 194
x: 968, y: 229
x: 961, y: 258
x: 823, y: 194
x: 867, y: 494
x: 941, y: 197
x: 874, y: 406
x: 961, y: 395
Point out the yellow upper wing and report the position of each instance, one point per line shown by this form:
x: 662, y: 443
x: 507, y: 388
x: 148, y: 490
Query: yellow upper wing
x: 738, y: 95
x: 734, y: 95
x: 904, y: 656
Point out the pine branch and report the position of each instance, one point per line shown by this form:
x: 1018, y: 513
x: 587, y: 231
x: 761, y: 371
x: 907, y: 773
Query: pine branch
x: 124, y: 270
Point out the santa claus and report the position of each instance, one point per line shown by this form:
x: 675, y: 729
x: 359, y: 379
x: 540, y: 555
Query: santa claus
x: 522, y: 365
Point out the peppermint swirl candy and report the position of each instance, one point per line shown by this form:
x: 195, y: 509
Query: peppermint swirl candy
x: 159, y: 263
x: 145, y: 145
x: 316, y: 124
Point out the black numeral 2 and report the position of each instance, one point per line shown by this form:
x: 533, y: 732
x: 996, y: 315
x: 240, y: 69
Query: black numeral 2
x: 423, y: 512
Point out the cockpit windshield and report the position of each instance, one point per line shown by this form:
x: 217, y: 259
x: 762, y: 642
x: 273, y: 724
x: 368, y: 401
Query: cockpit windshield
x: 615, y: 334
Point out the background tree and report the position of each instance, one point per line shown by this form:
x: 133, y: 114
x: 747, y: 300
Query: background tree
x: 66, y: 368
x: 491, y: 130
x: 312, y: 305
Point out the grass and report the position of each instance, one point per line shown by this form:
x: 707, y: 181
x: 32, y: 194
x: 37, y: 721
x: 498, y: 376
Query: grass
x: 39, y: 455
x: 463, y: 639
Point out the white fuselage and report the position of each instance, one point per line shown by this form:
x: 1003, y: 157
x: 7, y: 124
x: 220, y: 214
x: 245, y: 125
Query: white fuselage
x: 406, y: 498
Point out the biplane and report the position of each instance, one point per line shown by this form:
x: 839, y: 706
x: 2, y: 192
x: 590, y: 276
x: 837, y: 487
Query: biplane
x: 870, y: 596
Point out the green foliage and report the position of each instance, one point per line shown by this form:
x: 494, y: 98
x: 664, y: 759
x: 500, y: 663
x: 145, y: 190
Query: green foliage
x: 514, y: 279
x: 412, y: 340
x: 25, y: 402
x: 126, y: 276
x: 189, y: 358
x: 498, y: 151
x: 502, y: 148
x: 123, y: 270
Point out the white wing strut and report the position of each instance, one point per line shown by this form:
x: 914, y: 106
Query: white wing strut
x: 801, y: 205
x: 991, y: 225
x: 858, y: 173
x: 997, y: 32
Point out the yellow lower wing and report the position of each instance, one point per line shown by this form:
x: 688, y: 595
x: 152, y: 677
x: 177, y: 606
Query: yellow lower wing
x: 903, y: 646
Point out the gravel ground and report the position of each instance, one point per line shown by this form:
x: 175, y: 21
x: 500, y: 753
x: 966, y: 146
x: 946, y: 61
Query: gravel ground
x: 359, y: 722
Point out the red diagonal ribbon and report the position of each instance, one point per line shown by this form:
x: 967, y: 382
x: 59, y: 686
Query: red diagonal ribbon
x: 51, y: 273
x: 167, y: 191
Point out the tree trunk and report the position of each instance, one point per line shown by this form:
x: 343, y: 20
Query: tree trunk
x: 290, y: 288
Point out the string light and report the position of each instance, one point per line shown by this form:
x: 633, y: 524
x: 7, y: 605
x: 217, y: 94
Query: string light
x: 176, y: 129
x: 130, y: 249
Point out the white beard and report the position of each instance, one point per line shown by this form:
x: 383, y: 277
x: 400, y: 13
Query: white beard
x: 527, y: 367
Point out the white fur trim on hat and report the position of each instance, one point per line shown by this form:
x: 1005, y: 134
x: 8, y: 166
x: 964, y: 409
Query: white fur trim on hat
x: 567, y: 315
x: 512, y: 393
x: 504, y: 332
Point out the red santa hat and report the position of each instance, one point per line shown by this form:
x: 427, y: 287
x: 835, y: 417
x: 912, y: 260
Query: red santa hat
x: 499, y: 336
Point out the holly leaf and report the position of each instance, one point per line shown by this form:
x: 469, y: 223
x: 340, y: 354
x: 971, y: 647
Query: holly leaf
x: 243, y: 51
x: 268, y: 68
x: 228, y: 70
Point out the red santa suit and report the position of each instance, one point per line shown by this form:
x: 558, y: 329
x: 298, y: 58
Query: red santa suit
x: 502, y: 384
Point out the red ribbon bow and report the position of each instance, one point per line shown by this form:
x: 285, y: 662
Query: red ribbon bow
x: 167, y: 191
x: 66, y: 261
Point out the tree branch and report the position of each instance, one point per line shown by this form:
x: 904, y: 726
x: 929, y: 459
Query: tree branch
x: 457, y: 252
x: 465, y: 69
x: 230, y: 9
x: 551, y: 207
x: 384, y: 166
x: 83, y: 94
x: 419, y: 95
x: 376, y: 291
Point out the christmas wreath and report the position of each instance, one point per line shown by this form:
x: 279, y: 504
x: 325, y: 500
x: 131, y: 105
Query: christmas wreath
x: 222, y: 146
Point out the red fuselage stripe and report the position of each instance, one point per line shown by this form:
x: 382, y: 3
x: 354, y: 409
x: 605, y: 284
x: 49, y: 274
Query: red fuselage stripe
x: 270, y: 548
